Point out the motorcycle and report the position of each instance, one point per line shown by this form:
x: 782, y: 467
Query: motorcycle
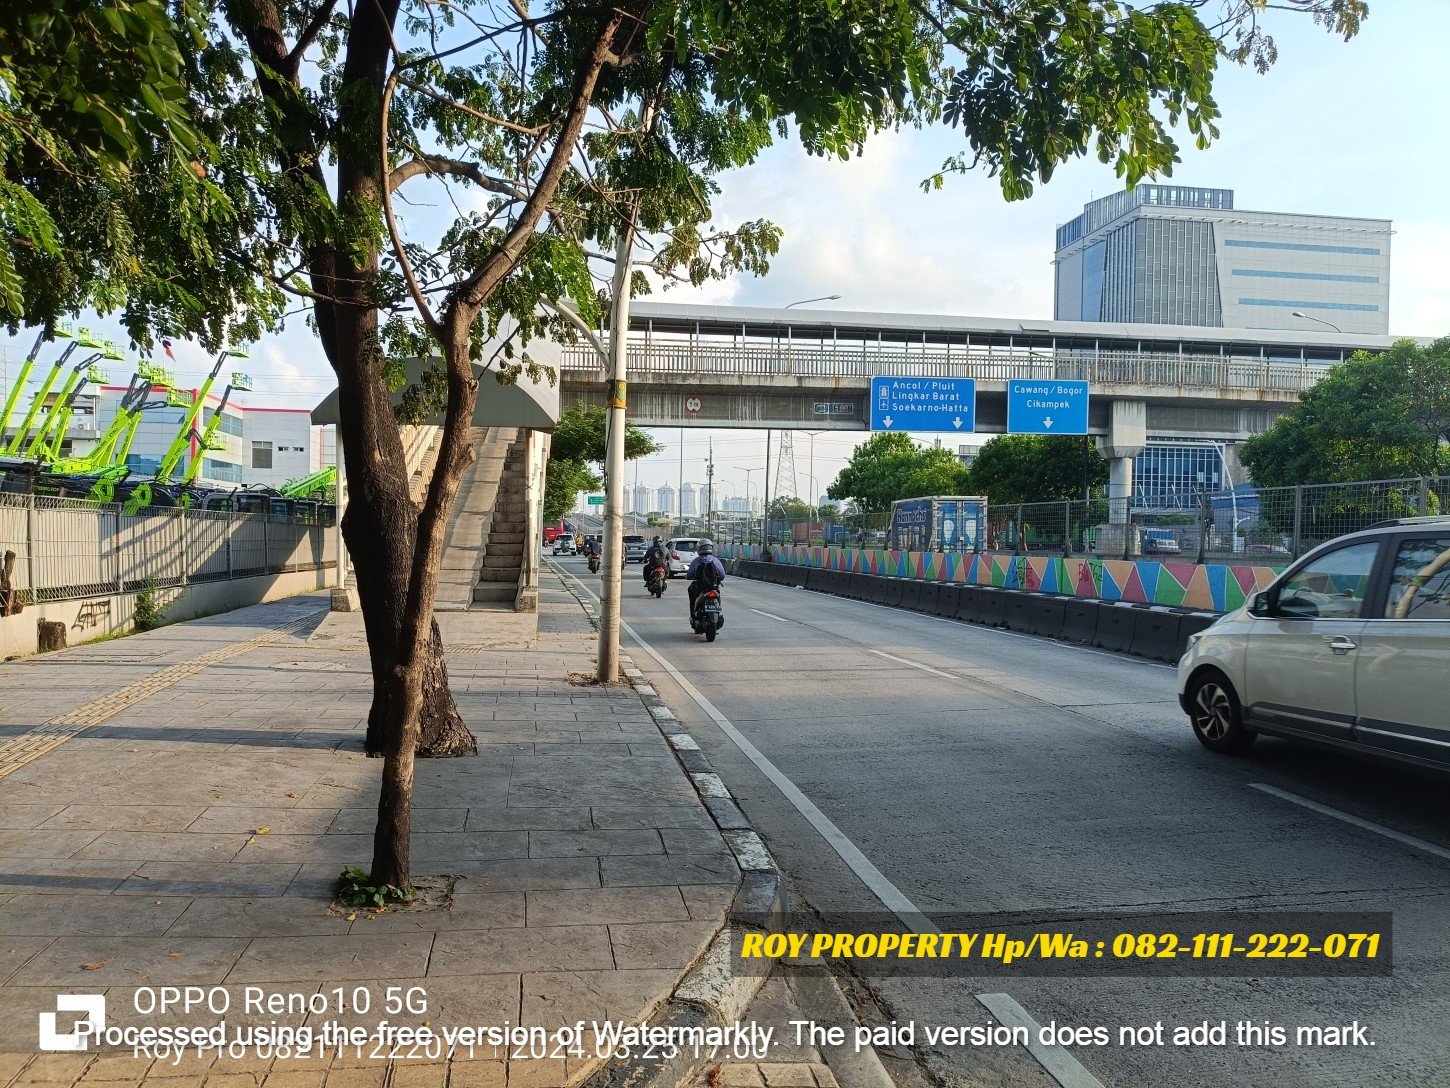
x: 593, y: 562
x: 657, y: 583
x: 709, y: 615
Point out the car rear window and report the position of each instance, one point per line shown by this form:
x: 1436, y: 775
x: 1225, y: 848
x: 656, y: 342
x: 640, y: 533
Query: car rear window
x: 687, y: 545
x: 634, y: 540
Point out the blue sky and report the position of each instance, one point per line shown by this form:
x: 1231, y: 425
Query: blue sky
x: 1333, y: 128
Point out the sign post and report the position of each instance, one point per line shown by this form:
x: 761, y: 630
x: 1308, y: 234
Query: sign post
x: 1047, y: 406
x: 942, y: 405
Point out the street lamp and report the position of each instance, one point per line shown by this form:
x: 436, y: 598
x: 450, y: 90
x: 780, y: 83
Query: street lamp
x: 1310, y: 317
x: 802, y: 302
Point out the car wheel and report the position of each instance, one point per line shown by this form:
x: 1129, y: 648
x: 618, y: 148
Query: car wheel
x: 1217, y: 718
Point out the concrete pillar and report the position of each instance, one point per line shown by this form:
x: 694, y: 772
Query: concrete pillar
x: 536, y: 462
x: 1126, y: 437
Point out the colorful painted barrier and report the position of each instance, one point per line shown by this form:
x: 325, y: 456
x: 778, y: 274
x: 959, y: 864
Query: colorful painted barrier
x: 1221, y: 587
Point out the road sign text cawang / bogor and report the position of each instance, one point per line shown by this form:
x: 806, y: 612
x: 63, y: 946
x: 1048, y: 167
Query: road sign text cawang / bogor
x: 924, y: 404
x: 1047, y: 407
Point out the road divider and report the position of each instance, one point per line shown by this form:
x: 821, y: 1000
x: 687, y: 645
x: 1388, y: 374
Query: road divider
x: 1155, y: 632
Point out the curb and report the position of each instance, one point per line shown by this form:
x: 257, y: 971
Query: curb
x: 710, y: 994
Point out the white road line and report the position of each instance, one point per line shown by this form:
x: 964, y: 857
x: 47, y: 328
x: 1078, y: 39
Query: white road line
x: 890, y: 895
x: 1344, y: 817
x: 913, y: 664
x: 769, y: 615
x: 1059, y: 1063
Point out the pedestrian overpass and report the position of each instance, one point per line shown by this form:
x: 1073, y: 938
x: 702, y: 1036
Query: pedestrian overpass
x: 726, y: 366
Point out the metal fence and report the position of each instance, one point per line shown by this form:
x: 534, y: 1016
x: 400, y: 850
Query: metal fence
x: 1105, y: 368
x: 71, y: 548
x: 1266, y: 526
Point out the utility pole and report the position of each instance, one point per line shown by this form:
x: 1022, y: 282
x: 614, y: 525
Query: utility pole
x: 765, y: 513
x: 615, y: 409
x: 680, y: 491
x: 710, y: 487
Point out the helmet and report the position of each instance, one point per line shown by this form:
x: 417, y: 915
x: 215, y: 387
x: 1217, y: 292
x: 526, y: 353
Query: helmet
x: 657, y: 540
x: 706, y: 547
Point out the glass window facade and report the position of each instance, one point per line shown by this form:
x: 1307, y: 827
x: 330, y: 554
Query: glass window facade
x: 1172, y: 475
x: 221, y: 470
x: 230, y: 424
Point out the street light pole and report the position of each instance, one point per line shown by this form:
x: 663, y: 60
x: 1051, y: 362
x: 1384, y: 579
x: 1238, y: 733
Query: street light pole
x: 803, y: 301
x: 1311, y: 317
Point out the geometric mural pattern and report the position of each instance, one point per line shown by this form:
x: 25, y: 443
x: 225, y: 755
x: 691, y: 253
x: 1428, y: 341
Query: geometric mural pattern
x: 1218, y: 587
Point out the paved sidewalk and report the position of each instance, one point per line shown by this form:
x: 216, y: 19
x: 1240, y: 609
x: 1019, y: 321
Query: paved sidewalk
x: 175, y: 808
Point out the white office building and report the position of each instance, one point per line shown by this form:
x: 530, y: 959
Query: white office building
x: 689, y: 501
x: 643, y: 500
x: 1181, y: 255
x: 665, y: 500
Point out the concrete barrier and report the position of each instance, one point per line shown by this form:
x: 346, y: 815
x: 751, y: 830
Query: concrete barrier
x: 1151, y: 631
x: 1156, y: 635
x: 910, y: 593
x: 1116, y: 624
x: 948, y: 600
x: 930, y: 594
x: 1080, y: 619
x: 992, y: 607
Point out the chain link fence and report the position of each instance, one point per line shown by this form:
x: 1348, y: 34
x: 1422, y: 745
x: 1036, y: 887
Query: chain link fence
x: 71, y: 548
x: 1267, y: 526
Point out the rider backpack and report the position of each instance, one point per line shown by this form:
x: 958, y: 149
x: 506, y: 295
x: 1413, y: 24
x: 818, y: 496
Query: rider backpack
x: 708, y: 576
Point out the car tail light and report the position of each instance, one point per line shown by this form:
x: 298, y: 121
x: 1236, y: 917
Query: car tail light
x: 674, y: 555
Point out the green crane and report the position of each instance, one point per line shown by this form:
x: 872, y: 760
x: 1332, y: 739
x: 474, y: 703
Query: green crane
x: 207, y: 443
x: 145, y: 493
x: 104, y: 467
x: 317, y: 485
x: 45, y: 446
x: 18, y: 439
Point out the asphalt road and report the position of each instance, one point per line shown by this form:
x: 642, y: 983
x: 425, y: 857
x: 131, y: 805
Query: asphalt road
x: 983, y: 771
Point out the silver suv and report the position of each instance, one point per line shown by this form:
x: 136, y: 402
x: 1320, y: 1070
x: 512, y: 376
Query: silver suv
x: 1349, y: 647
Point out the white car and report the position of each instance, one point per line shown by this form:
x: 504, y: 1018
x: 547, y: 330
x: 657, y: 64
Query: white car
x: 682, y: 553
x: 1349, y: 647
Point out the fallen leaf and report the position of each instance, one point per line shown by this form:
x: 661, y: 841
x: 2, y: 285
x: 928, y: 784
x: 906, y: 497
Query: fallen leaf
x: 93, y: 966
x: 262, y: 831
x: 291, y: 793
x: 173, y: 955
x: 350, y: 918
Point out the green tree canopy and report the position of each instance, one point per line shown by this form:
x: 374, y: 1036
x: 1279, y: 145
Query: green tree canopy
x: 578, y: 447
x: 890, y: 466
x: 789, y: 508
x: 1372, y: 417
x: 1036, y: 468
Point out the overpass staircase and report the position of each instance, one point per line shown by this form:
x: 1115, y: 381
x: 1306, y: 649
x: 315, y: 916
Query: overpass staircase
x: 483, y: 549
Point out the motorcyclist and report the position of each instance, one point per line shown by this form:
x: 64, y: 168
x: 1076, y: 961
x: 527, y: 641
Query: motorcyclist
x: 655, y: 559
x: 706, y: 572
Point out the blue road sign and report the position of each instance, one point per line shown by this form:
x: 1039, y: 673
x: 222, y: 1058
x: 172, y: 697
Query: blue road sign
x: 1047, y: 407
x: 948, y: 405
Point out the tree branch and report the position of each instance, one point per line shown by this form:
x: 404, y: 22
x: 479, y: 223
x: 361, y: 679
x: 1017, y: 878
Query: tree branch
x: 309, y: 35
x: 470, y: 171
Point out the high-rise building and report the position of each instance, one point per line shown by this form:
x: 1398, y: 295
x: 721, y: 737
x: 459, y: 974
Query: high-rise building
x: 665, y: 500
x: 689, y: 501
x: 643, y: 500
x: 1181, y: 255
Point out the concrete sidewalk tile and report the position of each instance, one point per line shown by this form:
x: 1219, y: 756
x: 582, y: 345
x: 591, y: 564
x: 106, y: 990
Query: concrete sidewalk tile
x: 563, y: 844
x: 477, y: 1073
x: 100, y: 915
x: 276, y: 849
x: 142, y: 846
x: 123, y: 818
x: 564, y: 997
x: 687, y: 817
x: 596, y: 906
x: 43, y: 844
x: 451, y: 847
x: 411, y: 1074
x: 689, y: 841
x: 362, y: 821
x: 273, y: 916
x: 525, y: 874
x: 224, y: 819
x: 89, y: 961
x: 282, y: 1077
x: 227, y: 1076
x: 54, y: 1069
x: 371, y: 1075
x: 22, y: 817
x: 537, y: 1073
x: 668, y: 869
x: 338, y: 958
x: 118, y: 1067
x: 660, y: 945
x: 528, y: 819
x: 209, y: 879
x: 54, y: 876
x: 476, y: 910
x: 707, y: 901
x: 739, y: 1075
x: 521, y: 951
x: 787, y: 1075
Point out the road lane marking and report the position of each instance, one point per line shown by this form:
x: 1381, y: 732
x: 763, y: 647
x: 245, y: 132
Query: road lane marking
x: 1061, y: 1066
x: 1344, y: 817
x: 913, y: 664
x: 890, y: 895
x: 1057, y: 1061
x: 769, y: 615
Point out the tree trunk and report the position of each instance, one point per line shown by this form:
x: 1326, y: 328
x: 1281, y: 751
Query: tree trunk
x: 392, y: 839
